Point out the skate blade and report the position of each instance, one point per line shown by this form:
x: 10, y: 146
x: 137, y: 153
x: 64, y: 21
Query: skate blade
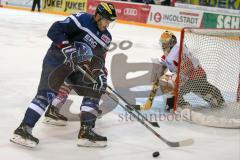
x: 54, y: 122
x: 87, y: 143
x: 23, y: 142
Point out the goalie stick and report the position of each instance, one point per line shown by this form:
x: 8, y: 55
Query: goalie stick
x: 186, y: 142
x: 150, y: 99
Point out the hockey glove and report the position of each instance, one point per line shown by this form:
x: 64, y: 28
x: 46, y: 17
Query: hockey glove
x: 167, y: 83
x: 101, y: 80
x: 70, y: 54
x: 79, y: 53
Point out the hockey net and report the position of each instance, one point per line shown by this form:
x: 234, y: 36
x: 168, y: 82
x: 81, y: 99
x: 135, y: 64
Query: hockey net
x: 218, y: 51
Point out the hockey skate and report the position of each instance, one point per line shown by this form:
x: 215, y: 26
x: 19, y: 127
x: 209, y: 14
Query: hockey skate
x: 170, y: 104
x: 53, y: 117
x: 88, y: 138
x: 24, y: 137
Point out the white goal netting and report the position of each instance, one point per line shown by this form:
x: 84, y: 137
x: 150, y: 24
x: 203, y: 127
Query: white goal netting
x: 212, y: 88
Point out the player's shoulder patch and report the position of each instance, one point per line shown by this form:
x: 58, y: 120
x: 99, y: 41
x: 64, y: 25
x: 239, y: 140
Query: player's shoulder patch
x: 106, y: 38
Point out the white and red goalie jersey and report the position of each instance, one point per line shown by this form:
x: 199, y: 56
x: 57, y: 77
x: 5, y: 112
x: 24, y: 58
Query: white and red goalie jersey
x: 190, y: 65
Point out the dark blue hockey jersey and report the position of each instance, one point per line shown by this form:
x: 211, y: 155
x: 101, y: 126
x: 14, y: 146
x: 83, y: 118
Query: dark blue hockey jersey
x: 79, y: 27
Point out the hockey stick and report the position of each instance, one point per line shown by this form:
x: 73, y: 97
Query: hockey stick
x: 155, y: 124
x: 150, y: 99
x: 186, y: 142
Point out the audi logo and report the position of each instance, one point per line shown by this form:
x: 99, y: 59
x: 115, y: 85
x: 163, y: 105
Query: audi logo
x: 130, y: 11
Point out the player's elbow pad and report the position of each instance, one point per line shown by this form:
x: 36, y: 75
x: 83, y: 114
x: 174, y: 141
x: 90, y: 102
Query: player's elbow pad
x: 55, y: 33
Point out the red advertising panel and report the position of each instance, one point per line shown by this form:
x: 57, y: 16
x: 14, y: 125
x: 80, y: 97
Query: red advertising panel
x: 125, y: 11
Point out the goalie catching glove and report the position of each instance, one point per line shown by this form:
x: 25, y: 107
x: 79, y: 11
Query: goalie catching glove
x: 167, y: 83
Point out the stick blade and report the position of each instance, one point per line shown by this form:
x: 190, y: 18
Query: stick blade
x: 155, y: 124
x: 187, y: 142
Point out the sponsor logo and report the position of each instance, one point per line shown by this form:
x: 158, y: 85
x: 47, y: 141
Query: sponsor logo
x: 53, y: 3
x: 90, y: 41
x: 66, y: 5
x: 180, y: 19
x: 79, y: 6
x: 174, y: 18
x: 130, y: 11
x: 228, y: 22
x: 105, y: 38
x: 157, y: 17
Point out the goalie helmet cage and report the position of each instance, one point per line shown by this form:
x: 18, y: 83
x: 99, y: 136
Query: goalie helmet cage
x: 218, y: 51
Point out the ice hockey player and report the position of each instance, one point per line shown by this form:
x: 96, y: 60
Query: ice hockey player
x: 193, y: 77
x: 78, y: 35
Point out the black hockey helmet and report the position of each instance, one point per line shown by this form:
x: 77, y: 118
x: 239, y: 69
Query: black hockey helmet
x: 106, y: 10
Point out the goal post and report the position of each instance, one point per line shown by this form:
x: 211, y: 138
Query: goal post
x: 212, y: 66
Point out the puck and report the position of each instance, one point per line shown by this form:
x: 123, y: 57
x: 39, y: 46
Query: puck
x: 155, y: 154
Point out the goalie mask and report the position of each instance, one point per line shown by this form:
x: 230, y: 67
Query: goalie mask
x: 167, y: 41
